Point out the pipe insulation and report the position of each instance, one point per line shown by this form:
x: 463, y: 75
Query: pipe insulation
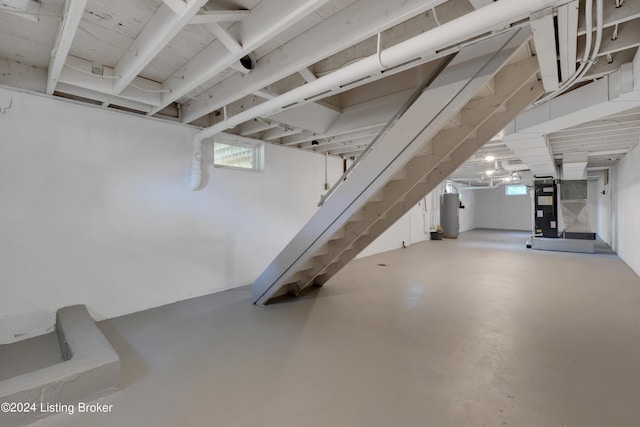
x: 422, y: 46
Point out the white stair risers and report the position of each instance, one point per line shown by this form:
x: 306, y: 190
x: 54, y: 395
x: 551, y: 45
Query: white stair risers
x: 464, y: 77
x: 521, y: 100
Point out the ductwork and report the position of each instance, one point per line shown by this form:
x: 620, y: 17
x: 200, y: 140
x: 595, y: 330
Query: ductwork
x: 513, y: 168
x: 195, y: 179
x: 423, y: 46
x: 248, y: 62
x: 574, y: 166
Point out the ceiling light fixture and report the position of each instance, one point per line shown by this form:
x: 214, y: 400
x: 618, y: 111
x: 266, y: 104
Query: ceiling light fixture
x: 489, y: 158
x: 490, y: 172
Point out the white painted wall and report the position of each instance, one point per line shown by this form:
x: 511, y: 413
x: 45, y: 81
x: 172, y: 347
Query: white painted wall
x: 626, y: 209
x: 592, y: 204
x: 605, y: 219
x: 415, y: 225
x: 412, y: 227
x: 94, y: 209
x: 468, y: 215
x: 495, y: 210
x: 392, y: 238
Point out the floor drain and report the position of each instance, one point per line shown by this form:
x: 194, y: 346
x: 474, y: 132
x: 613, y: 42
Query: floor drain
x: 382, y: 265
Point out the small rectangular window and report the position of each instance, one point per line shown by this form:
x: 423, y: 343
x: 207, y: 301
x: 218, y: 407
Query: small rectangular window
x: 238, y: 155
x: 515, y: 190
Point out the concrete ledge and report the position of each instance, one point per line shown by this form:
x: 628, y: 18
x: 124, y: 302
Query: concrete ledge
x: 563, y: 245
x: 91, y: 369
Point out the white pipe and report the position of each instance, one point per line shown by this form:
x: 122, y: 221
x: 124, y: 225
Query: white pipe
x: 425, y: 44
x: 421, y: 45
x: 599, y: 25
x: 326, y: 170
x: 588, y: 19
x: 586, y: 64
x: 588, y: 16
x: 195, y: 179
x: 587, y: 61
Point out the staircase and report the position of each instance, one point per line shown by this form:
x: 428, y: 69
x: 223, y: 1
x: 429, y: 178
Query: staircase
x: 483, y: 88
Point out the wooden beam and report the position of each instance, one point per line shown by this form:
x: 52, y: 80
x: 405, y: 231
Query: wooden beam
x: 603, y: 67
x: 263, y: 24
x: 211, y: 17
x: 163, y: 26
x: 477, y: 4
x: 352, y: 143
x: 354, y: 24
x: 307, y: 75
x: 265, y: 94
x: 275, y: 133
x: 223, y: 36
x: 78, y: 72
x: 613, y: 15
x: 104, y: 98
x: 337, y: 139
x: 256, y: 126
x: 66, y: 33
x: 177, y: 6
x: 628, y: 37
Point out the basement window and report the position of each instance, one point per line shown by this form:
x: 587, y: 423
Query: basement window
x: 515, y: 190
x: 238, y: 155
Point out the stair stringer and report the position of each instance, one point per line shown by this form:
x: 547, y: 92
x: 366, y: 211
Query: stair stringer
x: 471, y: 69
x: 446, y: 149
x: 523, y: 99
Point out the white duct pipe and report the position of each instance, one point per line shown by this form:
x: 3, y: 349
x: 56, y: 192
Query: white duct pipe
x: 195, y: 179
x: 425, y: 44
x: 486, y: 187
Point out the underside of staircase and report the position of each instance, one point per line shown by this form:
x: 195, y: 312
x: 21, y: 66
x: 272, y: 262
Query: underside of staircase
x: 470, y: 97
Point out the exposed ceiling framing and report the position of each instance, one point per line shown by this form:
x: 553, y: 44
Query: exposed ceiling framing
x: 203, y: 62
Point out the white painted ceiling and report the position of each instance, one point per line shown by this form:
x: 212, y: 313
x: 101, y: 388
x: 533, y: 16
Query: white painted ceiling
x: 186, y: 71
x: 605, y: 140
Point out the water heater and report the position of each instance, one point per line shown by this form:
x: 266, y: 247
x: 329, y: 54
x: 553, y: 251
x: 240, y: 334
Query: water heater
x: 449, y: 217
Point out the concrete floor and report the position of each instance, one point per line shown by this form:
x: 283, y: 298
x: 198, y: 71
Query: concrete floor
x: 477, y: 331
